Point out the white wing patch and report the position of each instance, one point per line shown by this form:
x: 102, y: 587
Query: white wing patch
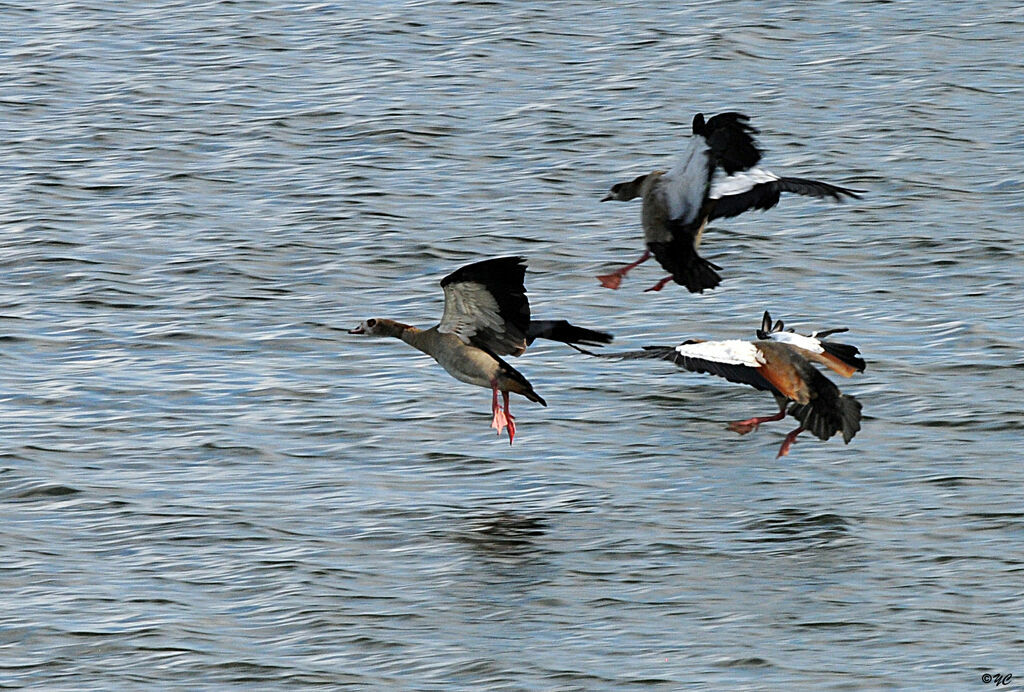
x: 741, y: 182
x: 729, y: 352
x: 469, y: 308
x: 806, y: 343
x: 682, y: 188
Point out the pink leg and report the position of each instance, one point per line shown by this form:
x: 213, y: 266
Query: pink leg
x: 500, y: 420
x: 660, y: 285
x: 614, y: 280
x: 788, y: 442
x: 749, y: 425
x: 509, y: 420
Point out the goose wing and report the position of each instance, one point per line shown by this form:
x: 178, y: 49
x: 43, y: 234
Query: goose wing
x: 735, y: 360
x: 730, y: 137
x: 760, y: 189
x: 485, y: 305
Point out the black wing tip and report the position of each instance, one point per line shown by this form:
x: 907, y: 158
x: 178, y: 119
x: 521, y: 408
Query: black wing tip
x: 816, y: 188
x: 851, y: 416
x: 821, y: 334
x: 732, y: 140
x: 648, y: 353
x: 532, y: 395
x: 734, y: 119
x: 567, y: 333
x: 511, y: 269
x: 767, y: 328
x: 596, y: 338
x: 526, y: 389
x: 839, y: 194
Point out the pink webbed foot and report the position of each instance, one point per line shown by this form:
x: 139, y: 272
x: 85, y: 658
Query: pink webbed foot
x: 612, y: 281
x: 743, y: 426
x: 750, y: 425
x: 501, y: 421
x: 658, y: 286
x: 502, y: 417
x: 788, y: 442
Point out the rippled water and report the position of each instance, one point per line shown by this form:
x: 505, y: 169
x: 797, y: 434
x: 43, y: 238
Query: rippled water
x: 206, y: 482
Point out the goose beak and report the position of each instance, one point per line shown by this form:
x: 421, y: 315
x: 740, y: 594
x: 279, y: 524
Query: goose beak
x: 357, y: 330
x: 607, y: 198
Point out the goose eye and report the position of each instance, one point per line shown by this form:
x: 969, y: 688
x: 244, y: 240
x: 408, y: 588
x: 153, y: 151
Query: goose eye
x: 371, y: 323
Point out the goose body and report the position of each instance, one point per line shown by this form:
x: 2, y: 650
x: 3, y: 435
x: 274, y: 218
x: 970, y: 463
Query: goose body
x: 486, y: 315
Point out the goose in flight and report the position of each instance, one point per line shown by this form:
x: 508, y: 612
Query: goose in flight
x: 486, y: 316
x: 778, y: 362
x: 678, y: 204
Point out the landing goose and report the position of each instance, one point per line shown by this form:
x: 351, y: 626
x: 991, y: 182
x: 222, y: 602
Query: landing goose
x: 486, y: 316
x: 678, y: 204
x: 778, y: 362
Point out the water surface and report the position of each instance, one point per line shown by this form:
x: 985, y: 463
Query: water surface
x: 206, y: 483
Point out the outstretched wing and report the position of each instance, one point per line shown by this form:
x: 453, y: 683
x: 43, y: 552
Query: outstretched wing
x: 760, y: 189
x: 485, y: 305
x: 735, y: 360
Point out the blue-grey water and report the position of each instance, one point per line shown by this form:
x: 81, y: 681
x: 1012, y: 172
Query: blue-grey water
x: 206, y: 483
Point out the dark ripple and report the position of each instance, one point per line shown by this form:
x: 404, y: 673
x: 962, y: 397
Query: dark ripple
x: 795, y: 524
x: 38, y: 491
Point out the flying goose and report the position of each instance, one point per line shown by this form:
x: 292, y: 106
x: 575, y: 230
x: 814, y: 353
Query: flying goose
x: 486, y: 316
x: 779, y: 362
x: 678, y: 204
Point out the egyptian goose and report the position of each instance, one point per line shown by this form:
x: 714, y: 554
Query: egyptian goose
x: 486, y: 315
x: 778, y: 362
x: 678, y: 204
